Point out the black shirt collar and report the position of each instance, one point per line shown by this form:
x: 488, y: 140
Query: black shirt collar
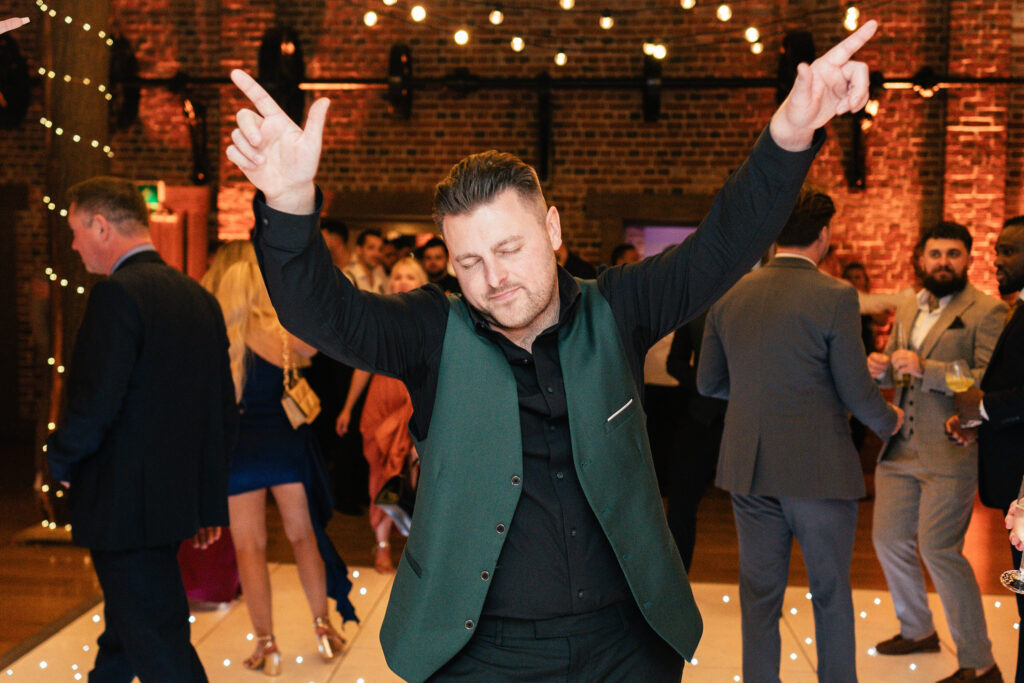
x: 568, y: 299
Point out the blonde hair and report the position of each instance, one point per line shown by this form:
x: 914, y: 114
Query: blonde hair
x: 416, y: 266
x: 226, y: 255
x: 247, y: 309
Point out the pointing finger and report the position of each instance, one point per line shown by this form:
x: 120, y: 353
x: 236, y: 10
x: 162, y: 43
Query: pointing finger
x: 841, y: 53
x: 263, y: 102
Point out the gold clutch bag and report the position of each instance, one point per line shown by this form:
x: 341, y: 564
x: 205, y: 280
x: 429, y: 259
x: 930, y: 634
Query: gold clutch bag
x: 300, y: 402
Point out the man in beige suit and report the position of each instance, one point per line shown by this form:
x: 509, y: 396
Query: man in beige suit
x: 925, y: 483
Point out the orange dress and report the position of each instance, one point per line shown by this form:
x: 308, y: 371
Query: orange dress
x: 386, y: 438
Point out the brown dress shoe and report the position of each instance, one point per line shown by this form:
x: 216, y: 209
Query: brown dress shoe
x: 990, y: 676
x: 898, y: 645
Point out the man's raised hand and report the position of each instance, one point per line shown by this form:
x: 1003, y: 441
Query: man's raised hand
x: 832, y: 85
x: 276, y: 155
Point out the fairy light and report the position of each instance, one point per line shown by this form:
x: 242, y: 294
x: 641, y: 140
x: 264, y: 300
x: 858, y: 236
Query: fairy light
x: 370, y: 18
x: 724, y: 12
x: 95, y: 144
x: 606, y: 21
x: 851, y: 20
x: 757, y: 48
x: 752, y: 34
x: 687, y: 4
x: 659, y: 52
x: 567, y: 4
x: 561, y: 58
x: 496, y: 16
x: 649, y: 48
x: 518, y: 44
x: 69, y: 20
x: 389, y: 3
x: 461, y: 37
x: 418, y: 13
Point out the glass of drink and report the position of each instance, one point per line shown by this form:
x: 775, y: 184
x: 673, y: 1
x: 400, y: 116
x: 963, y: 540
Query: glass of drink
x: 900, y: 379
x: 958, y: 376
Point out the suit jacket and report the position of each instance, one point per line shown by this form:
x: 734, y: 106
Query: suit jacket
x: 151, y: 414
x: 1001, y: 438
x: 967, y: 329
x: 784, y: 347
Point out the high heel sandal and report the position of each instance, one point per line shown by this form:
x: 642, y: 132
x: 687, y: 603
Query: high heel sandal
x: 329, y: 643
x: 266, y: 656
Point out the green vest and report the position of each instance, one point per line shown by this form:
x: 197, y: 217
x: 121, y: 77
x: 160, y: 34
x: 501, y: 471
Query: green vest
x: 470, y: 481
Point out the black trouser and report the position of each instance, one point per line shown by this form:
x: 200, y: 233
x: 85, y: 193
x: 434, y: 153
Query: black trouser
x: 612, y: 644
x: 147, y: 627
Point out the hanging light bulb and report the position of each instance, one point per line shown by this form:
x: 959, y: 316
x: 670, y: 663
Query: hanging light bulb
x: 461, y: 36
x: 757, y: 48
x: 496, y: 16
x: 518, y: 44
x: 752, y: 35
x: 687, y: 4
x: 852, y: 18
x: 418, y: 13
x: 567, y: 4
x: 660, y: 51
x: 560, y: 58
x: 370, y: 18
x: 724, y: 12
x: 606, y: 21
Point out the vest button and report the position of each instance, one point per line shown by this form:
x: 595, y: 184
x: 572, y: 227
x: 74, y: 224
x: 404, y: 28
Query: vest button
x: 500, y: 528
x: 516, y: 480
x: 469, y: 624
x: 484, y: 575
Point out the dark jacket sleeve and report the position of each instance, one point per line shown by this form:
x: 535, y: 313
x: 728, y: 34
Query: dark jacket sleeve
x: 106, y: 348
x: 855, y: 386
x: 1005, y: 407
x: 657, y: 295
x: 388, y: 334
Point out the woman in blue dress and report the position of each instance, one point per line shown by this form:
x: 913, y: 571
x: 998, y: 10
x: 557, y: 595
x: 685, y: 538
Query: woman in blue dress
x: 272, y: 455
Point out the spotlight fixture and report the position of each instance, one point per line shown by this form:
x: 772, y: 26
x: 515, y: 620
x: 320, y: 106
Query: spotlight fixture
x: 649, y: 48
x: 560, y: 58
x: 496, y: 16
x: 724, y: 12
x: 606, y: 21
x: 418, y: 13
x: 660, y: 51
x: 518, y: 44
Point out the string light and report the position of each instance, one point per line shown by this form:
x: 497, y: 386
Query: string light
x: 518, y: 44
x: 418, y: 13
x: 757, y: 48
x: 461, y: 37
x: 606, y: 21
x: 95, y: 144
x: 660, y: 51
x: 687, y: 4
x: 724, y: 12
x: 752, y: 35
x: 52, y: 13
x: 389, y: 3
x: 370, y: 18
x: 852, y: 19
x: 561, y: 58
x: 567, y: 4
x: 496, y: 16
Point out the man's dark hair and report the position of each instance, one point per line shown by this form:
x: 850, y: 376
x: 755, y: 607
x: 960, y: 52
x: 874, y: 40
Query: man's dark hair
x: 946, y: 230
x: 853, y: 265
x: 1015, y: 222
x: 369, y: 232
x: 479, y: 178
x: 403, y: 241
x: 620, y: 251
x: 116, y: 199
x: 436, y: 242
x: 335, y: 227
x: 812, y: 212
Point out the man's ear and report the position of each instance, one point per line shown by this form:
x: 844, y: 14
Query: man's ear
x: 554, y: 227
x: 104, y: 230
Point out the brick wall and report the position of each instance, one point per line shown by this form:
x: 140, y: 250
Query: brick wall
x: 959, y: 155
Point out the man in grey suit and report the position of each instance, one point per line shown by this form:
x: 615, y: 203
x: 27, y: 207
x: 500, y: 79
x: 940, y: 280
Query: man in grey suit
x: 925, y: 483
x: 784, y: 347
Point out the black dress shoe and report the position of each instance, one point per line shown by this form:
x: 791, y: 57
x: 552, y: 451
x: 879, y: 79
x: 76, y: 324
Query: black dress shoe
x: 990, y: 676
x: 898, y: 645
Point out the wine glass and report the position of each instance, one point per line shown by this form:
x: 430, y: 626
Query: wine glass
x: 900, y: 379
x: 958, y: 376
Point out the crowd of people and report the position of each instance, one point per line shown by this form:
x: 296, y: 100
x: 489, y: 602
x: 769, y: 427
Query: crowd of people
x: 507, y: 380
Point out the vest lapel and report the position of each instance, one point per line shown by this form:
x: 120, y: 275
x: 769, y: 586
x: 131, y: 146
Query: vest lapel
x: 957, y: 305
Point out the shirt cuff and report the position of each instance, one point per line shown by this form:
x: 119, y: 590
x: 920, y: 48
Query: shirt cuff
x: 285, y: 231
x: 981, y: 409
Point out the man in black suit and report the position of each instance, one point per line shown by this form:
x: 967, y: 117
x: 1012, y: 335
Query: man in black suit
x: 999, y: 403
x: 145, y: 440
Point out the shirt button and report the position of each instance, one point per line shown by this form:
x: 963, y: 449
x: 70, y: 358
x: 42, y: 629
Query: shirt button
x: 559, y: 475
x: 572, y: 532
x: 551, y: 390
x: 516, y: 480
x: 500, y: 528
x: 484, y: 575
x: 469, y: 624
x: 579, y: 594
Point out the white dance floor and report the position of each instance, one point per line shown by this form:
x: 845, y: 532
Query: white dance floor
x: 220, y: 638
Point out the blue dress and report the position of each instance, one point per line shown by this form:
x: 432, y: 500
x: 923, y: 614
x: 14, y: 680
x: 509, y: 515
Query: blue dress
x: 270, y: 452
